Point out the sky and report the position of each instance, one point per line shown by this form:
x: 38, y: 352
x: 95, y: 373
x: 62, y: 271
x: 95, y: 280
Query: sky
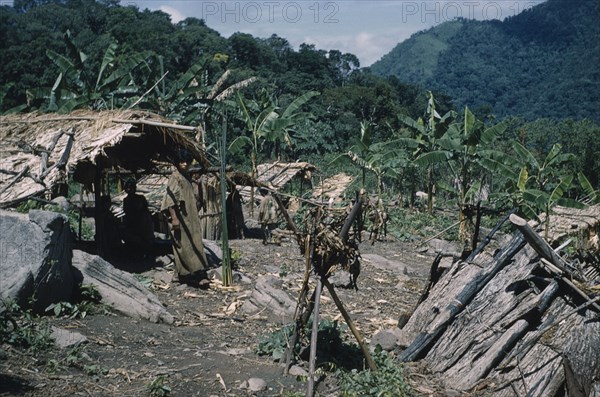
x: 367, y: 29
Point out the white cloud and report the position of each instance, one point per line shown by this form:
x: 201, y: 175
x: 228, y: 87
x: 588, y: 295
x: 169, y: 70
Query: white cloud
x: 368, y: 29
x: 175, y: 14
x: 368, y: 47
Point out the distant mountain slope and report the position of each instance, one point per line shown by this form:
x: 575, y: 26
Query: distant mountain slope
x: 543, y: 62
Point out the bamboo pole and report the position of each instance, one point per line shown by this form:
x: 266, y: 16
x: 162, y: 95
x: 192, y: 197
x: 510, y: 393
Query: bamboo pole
x: 310, y: 390
x: 299, y: 307
x: 154, y: 124
x: 439, y: 234
x: 556, y: 271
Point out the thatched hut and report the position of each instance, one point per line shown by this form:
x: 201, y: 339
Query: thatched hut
x: 278, y: 174
x: 40, y: 152
x: 332, y: 188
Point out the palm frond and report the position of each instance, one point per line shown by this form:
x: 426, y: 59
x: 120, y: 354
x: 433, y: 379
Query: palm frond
x: 233, y: 88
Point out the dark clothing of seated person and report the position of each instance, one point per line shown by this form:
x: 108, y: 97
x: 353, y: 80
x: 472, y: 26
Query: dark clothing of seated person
x: 139, y: 229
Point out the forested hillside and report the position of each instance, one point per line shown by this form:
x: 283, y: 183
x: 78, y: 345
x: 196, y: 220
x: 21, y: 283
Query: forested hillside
x: 540, y: 63
x: 319, y: 105
x: 62, y: 55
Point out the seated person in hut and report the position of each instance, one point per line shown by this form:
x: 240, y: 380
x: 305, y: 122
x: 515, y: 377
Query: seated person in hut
x: 107, y: 229
x: 138, y: 233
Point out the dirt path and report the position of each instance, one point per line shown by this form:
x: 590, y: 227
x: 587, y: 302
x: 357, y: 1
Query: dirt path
x: 208, y: 351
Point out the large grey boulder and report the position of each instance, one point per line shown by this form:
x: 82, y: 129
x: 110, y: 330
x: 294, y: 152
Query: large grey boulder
x: 119, y: 289
x: 35, y: 258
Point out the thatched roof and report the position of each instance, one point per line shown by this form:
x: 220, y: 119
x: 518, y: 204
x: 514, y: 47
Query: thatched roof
x: 278, y: 174
x: 569, y: 221
x: 333, y: 188
x: 39, y: 150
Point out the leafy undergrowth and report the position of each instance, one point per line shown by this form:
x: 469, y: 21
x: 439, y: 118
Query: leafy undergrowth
x: 387, y: 381
x: 342, y: 360
x: 410, y: 225
x: 24, y: 329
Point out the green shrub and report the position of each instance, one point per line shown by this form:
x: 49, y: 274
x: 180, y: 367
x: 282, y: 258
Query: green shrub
x: 24, y: 329
x: 410, y: 226
x: 87, y: 302
x: 158, y: 387
x: 331, y: 347
x: 387, y: 381
x: 275, y: 343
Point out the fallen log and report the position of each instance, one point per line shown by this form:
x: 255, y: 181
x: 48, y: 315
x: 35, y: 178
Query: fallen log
x: 46, y: 154
x: 535, y: 366
x: 507, y: 325
x: 483, y: 364
x: 24, y: 171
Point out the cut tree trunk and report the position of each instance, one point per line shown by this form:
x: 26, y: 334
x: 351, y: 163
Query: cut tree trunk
x: 455, y: 289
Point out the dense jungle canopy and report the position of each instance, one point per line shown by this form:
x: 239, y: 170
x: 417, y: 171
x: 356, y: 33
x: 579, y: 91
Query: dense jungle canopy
x: 63, y: 55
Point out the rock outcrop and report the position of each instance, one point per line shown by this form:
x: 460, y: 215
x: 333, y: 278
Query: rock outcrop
x: 35, y: 258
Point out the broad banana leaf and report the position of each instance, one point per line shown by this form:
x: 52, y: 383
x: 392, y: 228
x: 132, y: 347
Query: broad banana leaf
x: 434, y: 157
x: 587, y: 187
x: 415, y: 125
x: 297, y: 103
x: 525, y: 155
x: 560, y: 190
x: 491, y: 133
x: 107, y: 60
x: 522, y: 180
x: 239, y: 143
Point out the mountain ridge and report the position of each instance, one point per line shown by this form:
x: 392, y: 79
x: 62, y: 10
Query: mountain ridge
x: 540, y: 63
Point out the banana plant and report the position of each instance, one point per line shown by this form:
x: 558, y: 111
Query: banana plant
x: 280, y: 128
x: 363, y: 148
x: 117, y: 82
x: 425, y: 134
x: 466, y: 145
x: 541, y: 185
x: 382, y: 159
x: 191, y: 98
x: 592, y: 195
x: 266, y: 122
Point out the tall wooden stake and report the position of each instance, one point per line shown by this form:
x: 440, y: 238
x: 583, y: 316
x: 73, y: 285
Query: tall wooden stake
x: 313, y: 341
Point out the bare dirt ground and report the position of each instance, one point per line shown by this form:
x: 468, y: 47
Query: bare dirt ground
x: 209, y: 350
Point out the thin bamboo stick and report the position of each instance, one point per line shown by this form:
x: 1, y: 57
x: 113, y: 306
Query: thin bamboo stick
x: 310, y: 390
